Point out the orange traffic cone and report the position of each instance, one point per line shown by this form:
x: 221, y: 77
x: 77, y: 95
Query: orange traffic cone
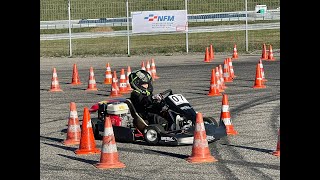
x: 127, y: 77
x: 270, y: 54
x: 143, y: 67
x: 225, y: 116
x: 75, y: 76
x: 92, y: 86
x: 235, y: 52
x: 226, y: 71
x: 207, y: 55
x: 258, y: 82
x: 214, y: 89
x: 115, y: 90
x: 55, y: 86
x: 200, y: 148
x: 231, y: 68
x: 123, y: 83
x: 148, y: 68
x: 108, y: 75
x: 109, y: 155
x: 74, y: 131
x: 219, y: 83
x: 277, y: 152
x: 264, y: 55
x: 223, y: 85
x: 153, y: 70
x: 87, y: 141
x: 211, y: 53
x: 262, y: 71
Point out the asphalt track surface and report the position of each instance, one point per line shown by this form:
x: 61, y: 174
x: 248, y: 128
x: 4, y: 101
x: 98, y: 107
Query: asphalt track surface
x: 255, y: 114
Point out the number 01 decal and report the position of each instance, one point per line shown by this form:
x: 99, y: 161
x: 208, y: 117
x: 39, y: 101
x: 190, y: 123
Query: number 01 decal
x: 178, y: 99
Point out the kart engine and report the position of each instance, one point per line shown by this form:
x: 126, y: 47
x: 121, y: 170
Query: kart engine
x: 117, y: 111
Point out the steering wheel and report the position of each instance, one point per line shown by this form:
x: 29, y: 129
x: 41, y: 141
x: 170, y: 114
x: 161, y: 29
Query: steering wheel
x: 166, y: 93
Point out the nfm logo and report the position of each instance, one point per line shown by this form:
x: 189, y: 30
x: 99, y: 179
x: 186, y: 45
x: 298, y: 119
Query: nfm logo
x: 152, y: 17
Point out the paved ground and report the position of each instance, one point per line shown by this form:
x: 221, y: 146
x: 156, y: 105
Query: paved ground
x: 255, y: 114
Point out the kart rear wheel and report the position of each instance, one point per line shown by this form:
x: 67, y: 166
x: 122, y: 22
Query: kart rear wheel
x: 151, y: 135
x: 210, y: 120
x: 95, y: 129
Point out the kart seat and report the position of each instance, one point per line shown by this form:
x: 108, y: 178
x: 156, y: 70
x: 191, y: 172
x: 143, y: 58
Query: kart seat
x: 138, y: 122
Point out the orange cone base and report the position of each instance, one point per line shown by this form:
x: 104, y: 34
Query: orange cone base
x: 110, y: 165
x: 271, y: 59
x: 264, y: 80
x: 55, y: 90
x: 108, y: 82
x: 119, y: 95
x: 232, y: 132
x: 86, y: 151
x: 221, y: 90
x: 124, y: 92
x: 256, y: 86
x: 92, y: 89
x: 229, y: 80
x: 276, y: 153
x: 201, y: 159
x: 214, y: 94
x: 264, y: 58
x: 76, y: 83
x: 71, y: 142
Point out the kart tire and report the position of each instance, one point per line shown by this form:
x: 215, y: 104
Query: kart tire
x: 151, y: 135
x: 210, y: 120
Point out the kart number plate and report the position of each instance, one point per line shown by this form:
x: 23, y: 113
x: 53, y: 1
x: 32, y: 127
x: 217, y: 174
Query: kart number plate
x: 178, y: 99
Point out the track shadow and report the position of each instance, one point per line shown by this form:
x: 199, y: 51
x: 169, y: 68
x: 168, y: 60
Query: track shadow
x: 68, y: 148
x: 168, y: 154
x: 52, y: 139
x: 79, y: 159
x: 251, y: 148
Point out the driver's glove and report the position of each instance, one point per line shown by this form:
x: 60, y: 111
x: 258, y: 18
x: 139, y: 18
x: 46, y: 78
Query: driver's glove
x: 157, y: 97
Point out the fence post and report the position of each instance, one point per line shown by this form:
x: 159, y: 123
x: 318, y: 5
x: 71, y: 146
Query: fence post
x: 246, y: 7
x: 128, y: 28
x: 70, y: 46
x: 187, y: 28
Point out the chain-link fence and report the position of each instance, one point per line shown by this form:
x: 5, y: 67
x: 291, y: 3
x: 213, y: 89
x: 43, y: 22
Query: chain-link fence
x: 99, y: 27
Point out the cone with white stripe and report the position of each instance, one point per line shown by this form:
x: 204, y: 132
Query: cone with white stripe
x: 277, y: 151
x: 109, y: 155
x: 214, y: 88
x: 148, y: 67
x: 262, y: 71
x: 264, y: 55
x: 143, y: 67
x: 258, y: 83
x: 219, y: 83
x: 92, y: 85
x: 235, y: 52
x: 73, y: 131
x: 226, y: 71
x: 231, y: 68
x: 207, y: 55
x: 55, y: 86
x: 200, y: 149
x: 75, y: 76
x: 127, y: 77
x: 154, y: 70
x: 108, y: 75
x: 115, y: 90
x: 225, y: 116
x: 270, y: 54
x: 87, y: 142
x: 123, y: 83
x: 223, y: 85
x: 211, y: 53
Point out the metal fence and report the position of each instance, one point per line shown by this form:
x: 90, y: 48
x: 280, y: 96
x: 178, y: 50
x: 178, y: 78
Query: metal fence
x: 99, y: 27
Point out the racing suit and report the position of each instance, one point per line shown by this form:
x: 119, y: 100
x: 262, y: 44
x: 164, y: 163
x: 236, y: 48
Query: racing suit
x: 148, y: 108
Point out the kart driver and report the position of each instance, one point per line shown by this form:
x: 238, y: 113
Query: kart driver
x: 147, y: 104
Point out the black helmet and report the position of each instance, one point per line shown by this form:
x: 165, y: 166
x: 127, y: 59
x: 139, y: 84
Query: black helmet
x: 139, y: 77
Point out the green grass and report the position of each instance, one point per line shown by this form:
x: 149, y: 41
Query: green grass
x: 163, y: 44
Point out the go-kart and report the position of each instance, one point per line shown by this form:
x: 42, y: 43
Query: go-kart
x: 129, y: 126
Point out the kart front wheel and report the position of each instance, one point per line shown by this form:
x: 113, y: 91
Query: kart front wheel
x: 210, y: 120
x: 151, y: 135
